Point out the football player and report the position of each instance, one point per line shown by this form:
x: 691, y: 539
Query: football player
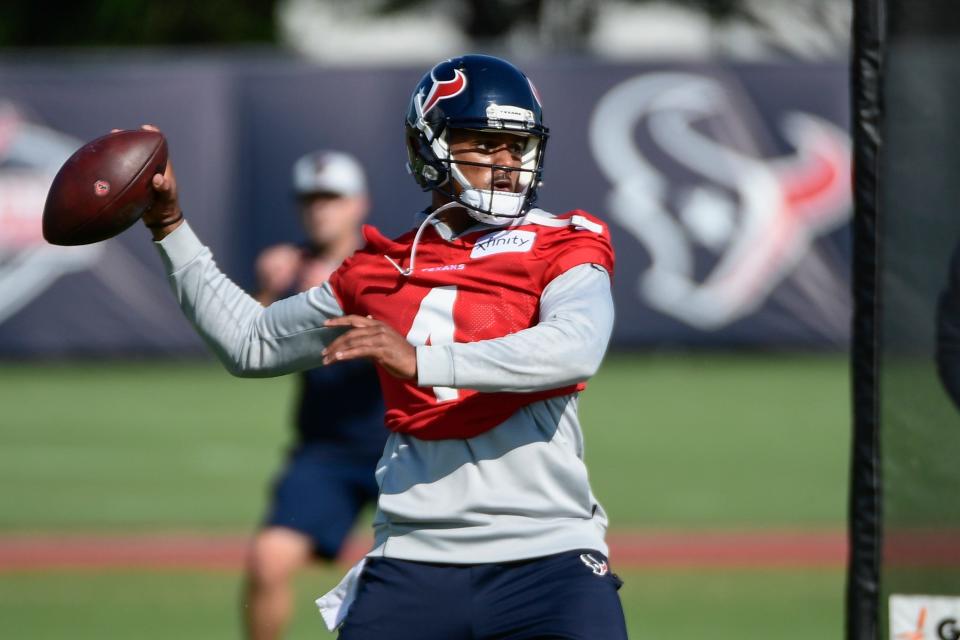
x: 484, y: 322
x: 328, y: 475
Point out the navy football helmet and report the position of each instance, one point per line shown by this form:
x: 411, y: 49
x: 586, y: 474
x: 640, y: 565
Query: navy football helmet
x: 482, y: 93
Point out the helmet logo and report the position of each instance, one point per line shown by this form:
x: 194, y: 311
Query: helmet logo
x: 443, y: 89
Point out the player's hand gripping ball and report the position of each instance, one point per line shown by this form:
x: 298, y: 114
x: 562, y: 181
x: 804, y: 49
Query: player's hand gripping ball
x: 104, y: 187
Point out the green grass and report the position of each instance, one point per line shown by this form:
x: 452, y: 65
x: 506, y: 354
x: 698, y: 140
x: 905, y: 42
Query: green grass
x: 136, y: 446
x: 920, y: 436
x: 734, y: 605
x: 672, y: 442
x: 788, y: 605
x: 708, y: 441
x: 720, y: 441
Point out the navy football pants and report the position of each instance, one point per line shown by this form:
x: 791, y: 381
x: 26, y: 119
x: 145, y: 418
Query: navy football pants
x: 559, y: 596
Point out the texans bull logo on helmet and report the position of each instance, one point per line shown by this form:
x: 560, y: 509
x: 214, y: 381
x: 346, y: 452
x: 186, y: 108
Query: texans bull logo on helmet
x: 441, y: 90
x: 726, y: 224
x: 479, y: 93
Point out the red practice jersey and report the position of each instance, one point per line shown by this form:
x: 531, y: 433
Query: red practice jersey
x: 483, y: 285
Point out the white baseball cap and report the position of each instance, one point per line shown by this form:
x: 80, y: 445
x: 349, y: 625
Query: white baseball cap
x: 329, y: 172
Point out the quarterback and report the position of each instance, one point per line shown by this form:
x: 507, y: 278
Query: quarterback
x: 484, y: 321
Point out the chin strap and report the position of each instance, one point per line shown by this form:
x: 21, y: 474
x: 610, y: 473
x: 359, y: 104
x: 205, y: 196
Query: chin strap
x: 416, y: 238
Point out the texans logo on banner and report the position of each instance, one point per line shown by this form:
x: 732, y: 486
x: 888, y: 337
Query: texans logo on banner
x: 30, y: 156
x: 725, y: 217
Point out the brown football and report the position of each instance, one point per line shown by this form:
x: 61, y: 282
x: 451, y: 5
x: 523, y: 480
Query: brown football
x: 104, y: 187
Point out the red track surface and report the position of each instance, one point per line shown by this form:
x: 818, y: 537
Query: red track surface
x: 642, y: 549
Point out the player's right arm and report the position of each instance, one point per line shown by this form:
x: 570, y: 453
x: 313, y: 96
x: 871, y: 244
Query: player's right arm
x: 249, y: 340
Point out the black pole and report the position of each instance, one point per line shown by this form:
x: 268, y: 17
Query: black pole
x: 863, y: 574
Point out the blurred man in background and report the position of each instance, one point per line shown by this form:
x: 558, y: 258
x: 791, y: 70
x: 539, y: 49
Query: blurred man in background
x: 329, y: 475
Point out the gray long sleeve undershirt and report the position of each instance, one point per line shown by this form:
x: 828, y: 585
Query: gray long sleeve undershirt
x: 565, y: 347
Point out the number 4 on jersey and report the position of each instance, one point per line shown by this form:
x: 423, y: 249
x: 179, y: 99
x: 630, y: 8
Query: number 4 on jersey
x: 433, y: 325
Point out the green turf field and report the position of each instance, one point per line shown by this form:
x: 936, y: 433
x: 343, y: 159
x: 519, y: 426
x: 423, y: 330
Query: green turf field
x: 800, y: 605
x: 694, y: 442
x: 704, y: 442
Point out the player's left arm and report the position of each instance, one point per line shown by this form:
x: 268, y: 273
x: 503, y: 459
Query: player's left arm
x: 367, y: 337
x: 564, y: 348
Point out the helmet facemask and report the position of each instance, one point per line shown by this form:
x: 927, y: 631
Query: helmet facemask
x: 486, y: 203
x: 476, y: 93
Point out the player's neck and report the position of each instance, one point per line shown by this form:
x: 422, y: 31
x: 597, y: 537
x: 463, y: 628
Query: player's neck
x: 456, y: 218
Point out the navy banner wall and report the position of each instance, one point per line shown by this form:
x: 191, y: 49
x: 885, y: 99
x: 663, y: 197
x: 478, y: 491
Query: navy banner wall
x: 726, y: 188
